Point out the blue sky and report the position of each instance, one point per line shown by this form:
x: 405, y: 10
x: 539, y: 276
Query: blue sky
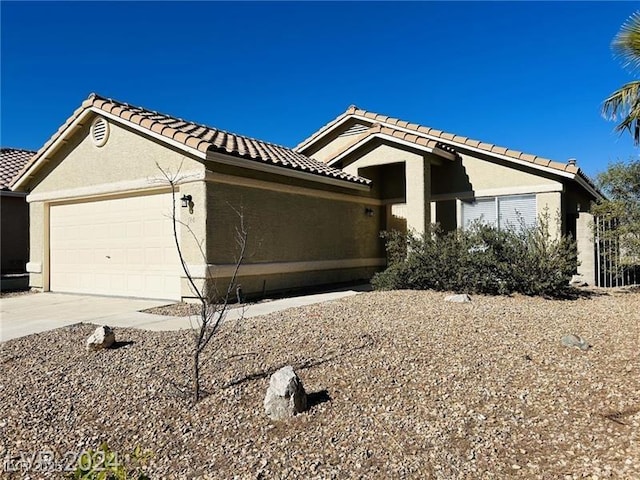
x: 529, y: 76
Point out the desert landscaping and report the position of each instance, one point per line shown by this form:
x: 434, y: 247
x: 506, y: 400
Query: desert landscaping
x: 400, y: 384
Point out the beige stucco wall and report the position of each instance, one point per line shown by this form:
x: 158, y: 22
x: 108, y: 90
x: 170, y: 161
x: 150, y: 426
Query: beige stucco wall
x: 485, y: 174
x: 37, y: 241
x: 550, y: 204
x: 328, y: 238
x: 124, y: 165
x: 288, y: 227
x: 417, y: 174
x: 126, y: 156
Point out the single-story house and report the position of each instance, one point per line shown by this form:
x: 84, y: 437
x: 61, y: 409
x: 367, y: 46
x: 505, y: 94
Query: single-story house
x: 14, y: 218
x: 100, y: 206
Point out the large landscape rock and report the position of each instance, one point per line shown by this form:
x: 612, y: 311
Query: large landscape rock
x: 285, y: 396
x: 575, y: 341
x: 461, y: 298
x: 102, y: 337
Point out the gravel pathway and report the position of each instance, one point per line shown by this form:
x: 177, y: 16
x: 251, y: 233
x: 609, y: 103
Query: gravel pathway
x: 402, y: 384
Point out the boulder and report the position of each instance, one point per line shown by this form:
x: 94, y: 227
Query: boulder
x: 102, y: 337
x: 285, y: 396
x: 578, y: 281
x: 575, y: 341
x: 461, y: 298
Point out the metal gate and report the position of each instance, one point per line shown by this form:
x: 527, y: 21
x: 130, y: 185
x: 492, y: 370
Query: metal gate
x: 612, y: 269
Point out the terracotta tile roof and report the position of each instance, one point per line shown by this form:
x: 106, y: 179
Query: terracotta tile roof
x: 446, y: 137
x: 205, y: 139
x: 12, y: 161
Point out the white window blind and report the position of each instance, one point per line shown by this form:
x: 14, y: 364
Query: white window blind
x: 517, y: 211
x: 483, y: 209
x: 503, y: 212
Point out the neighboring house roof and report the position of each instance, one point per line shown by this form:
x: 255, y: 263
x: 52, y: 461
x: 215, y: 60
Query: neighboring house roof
x: 12, y: 161
x: 420, y: 135
x: 200, y: 138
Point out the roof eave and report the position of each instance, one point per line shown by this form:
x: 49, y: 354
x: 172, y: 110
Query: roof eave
x: 237, y: 161
x: 328, y: 127
x: 435, y: 151
x: 43, y: 157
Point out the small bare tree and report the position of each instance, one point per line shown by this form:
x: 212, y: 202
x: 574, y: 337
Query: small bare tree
x: 214, y: 304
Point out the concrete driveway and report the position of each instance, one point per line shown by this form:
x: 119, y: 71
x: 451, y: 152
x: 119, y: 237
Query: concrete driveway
x: 27, y: 314
x: 39, y: 312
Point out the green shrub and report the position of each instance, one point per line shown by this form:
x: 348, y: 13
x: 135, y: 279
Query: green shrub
x: 480, y: 259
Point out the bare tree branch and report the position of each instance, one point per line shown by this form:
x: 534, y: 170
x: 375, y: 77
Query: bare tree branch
x: 213, y: 308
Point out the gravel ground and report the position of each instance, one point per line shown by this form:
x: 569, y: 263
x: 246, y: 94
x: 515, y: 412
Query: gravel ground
x: 183, y: 309
x: 402, y: 384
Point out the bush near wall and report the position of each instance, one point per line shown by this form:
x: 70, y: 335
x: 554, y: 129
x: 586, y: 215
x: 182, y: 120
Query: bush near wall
x: 480, y: 259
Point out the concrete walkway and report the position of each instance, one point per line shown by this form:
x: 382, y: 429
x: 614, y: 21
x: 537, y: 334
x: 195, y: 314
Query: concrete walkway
x: 27, y: 314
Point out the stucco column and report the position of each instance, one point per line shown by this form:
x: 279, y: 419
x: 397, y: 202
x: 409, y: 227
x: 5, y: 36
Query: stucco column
x: 418, y: 179
x: 586, y: 252
x: 38, y: 239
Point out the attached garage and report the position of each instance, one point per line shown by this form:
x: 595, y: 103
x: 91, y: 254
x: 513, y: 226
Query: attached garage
x: 120, y: 246
x: 99, y: 194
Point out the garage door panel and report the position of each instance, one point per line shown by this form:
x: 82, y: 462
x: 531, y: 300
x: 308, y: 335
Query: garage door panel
x: 122, y: 246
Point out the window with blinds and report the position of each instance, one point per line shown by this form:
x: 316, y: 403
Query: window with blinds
x: 483, y: 210
x: 509, y: 211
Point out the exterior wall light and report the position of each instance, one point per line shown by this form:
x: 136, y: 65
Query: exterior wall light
x: 368, y: 212
x: 186, y: 200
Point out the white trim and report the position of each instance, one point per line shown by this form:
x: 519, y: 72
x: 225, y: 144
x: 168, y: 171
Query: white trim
x: 226, y: 270
x: 292, y: 189
x: 495, y: 192
x: 34, y: 267
x: 259, y: 165
x: 127, y: 186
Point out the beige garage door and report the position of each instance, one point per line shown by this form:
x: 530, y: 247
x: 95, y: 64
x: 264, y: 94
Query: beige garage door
x: 121, y: 246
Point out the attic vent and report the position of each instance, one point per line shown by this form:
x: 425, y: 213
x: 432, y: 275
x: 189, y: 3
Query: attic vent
x: 355, y: 130
x: 99, y: 131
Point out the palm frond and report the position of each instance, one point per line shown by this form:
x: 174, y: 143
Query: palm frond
x: 626, y: 43
x: 624, y: 104
x: 621, y: 102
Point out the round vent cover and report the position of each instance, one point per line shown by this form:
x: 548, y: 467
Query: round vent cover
x: 100, y: 131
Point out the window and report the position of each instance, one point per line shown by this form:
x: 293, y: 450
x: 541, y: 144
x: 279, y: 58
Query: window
x: 503, y: 212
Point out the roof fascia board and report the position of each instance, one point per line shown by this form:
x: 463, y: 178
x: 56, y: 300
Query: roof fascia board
x: 52, y: 148
x: 267, y: 168
x: 589, y: 188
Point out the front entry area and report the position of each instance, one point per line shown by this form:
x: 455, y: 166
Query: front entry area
x: 120, y: 246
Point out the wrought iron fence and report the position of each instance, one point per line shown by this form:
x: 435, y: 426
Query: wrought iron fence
x: 613, y: 268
